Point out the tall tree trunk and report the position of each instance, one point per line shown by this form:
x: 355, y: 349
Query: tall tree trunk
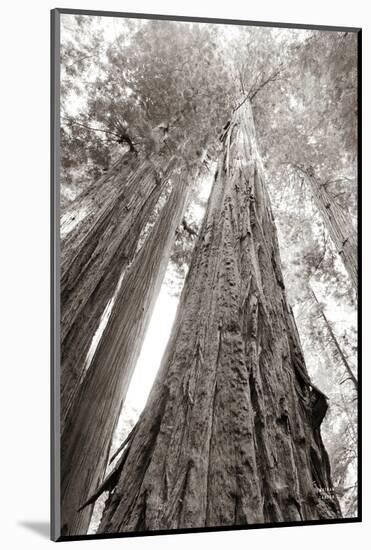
x: 338, y: 225
x: 85, y: 257
x: 87, y: 205
x: 334, y: 341
x: 93, y: 259
x: 90, y: 424
x: 231, y: 431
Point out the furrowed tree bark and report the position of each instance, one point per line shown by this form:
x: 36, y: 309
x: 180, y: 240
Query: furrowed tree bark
x: 93, y: 259
x: 334, y: 341
x: 231, y: 431
x: 86, y: 256
x: 90, y: 424
x: 79, y: 338
x: 338, y: 225
x: 86, y: 206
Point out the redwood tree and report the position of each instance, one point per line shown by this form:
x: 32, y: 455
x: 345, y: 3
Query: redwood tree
x: 334, y: 341
x: 93, y: 415
x: 231, y: 431
x: 93, y: 262
x: 338, y: 224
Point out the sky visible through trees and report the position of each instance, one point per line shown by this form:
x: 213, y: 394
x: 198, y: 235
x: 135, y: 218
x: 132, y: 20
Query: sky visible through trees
x: 157, y: 91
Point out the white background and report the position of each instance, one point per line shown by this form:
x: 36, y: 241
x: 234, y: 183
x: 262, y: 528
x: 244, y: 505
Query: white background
x: 24, y: 233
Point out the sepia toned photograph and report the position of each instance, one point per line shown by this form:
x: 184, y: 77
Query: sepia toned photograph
x: 205, y: 197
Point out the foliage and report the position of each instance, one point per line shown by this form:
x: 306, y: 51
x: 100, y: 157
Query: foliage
x: 155, y: 89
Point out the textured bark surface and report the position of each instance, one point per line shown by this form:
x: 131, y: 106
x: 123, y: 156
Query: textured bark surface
x: 87, y: 205
x: 339, y: 226
x: 89, y: 428
x: 86, y: 255
x: 231, y: 431
x: 93, y: 258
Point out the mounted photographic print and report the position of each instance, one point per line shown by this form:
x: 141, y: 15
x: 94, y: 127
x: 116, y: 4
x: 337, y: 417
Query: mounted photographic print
x: 205, y: 206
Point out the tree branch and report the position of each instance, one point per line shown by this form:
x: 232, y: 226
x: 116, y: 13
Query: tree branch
x: 188, y: 228
x: 271, y: 78
x: 72, y: 123
x: 120, y: 137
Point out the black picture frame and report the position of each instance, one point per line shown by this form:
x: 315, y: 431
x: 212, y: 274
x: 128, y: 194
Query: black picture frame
x: 55, y: 268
